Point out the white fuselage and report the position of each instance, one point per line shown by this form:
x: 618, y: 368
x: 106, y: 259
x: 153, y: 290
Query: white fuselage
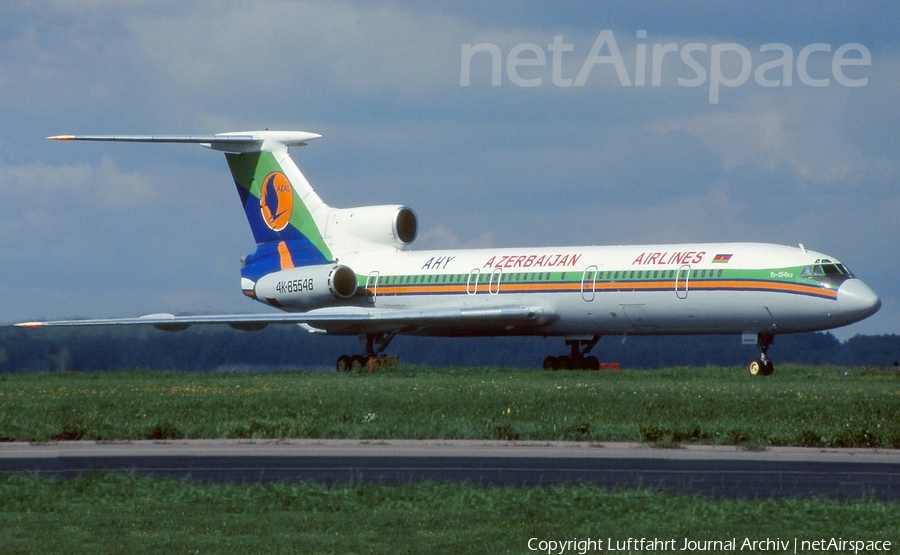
x: 636, y: 289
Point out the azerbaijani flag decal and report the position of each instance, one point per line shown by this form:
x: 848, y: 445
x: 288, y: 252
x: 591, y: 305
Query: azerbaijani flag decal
x: 721, y: 258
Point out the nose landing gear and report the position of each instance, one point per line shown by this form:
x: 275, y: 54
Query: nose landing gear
x: 762, y: 366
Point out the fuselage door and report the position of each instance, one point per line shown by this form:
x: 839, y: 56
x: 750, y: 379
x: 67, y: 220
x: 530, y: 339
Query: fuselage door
x: 472, y: 282
x: 682, y: 278
x: 494, y: 284
x: 372, y: 286
x: 589, y: 283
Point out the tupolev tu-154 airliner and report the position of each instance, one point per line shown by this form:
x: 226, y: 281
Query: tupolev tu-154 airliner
x: 349, y: 271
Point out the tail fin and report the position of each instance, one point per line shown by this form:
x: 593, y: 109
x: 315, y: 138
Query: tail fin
x: 286, y: 215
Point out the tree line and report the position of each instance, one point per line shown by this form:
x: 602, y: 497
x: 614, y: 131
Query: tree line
x: 219, y: 348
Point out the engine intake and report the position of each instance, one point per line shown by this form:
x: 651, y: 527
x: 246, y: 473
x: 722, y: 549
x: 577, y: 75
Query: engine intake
x: 406, y: 225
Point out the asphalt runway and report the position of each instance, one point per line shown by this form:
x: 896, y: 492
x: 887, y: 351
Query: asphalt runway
x: 709, y: 470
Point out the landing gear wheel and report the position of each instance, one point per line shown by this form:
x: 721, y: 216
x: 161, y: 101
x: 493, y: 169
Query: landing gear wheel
x: 756, y: 367
x: 577, y: 359
x: 376, y: 343
x: 358, y: 363
x: 344, y: 363
x: 762, y: 366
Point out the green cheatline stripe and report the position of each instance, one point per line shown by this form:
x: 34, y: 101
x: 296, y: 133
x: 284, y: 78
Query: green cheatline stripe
x: 562, y: 282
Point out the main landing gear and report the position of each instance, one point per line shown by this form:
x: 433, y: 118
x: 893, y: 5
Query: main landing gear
x: 577, y: 359
x: 763, y: 365
x: 376, y: 343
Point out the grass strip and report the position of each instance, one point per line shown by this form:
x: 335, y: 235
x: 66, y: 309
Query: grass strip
x: 121, y: 513
x: 799, y: 406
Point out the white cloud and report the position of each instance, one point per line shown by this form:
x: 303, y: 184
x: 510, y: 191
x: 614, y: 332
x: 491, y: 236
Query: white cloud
x: 801, y: 133
x: 102, y: 185
x: 306, y: 47
x: 442, y: 237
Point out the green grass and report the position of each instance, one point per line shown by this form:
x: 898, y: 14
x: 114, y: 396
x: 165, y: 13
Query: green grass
x: 802, y: 406
x: 120, y: 513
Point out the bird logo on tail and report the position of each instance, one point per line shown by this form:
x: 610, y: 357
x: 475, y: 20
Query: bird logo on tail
x: 276, y: 201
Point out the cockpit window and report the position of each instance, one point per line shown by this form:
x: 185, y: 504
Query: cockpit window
x: 834, y: 270
x: 827, y: 271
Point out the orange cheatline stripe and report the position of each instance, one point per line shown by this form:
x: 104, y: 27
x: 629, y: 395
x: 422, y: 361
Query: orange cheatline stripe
x: 766, y: 285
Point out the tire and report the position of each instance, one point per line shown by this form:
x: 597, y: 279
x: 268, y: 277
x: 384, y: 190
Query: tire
x: 344, y: 363
x: 755, y: 367
x: 358, y: 363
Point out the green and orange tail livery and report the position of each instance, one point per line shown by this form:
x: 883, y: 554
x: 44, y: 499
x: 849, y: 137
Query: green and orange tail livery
x: 284, y: 227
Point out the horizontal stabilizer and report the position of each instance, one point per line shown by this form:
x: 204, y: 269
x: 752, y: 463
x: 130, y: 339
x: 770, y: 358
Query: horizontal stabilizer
x: 243, y: 141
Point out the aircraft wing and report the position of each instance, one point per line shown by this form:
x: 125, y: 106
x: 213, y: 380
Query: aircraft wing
x: 350, y: 320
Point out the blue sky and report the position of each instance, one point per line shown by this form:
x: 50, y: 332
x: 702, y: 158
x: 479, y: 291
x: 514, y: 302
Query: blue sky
x: 92, y: 230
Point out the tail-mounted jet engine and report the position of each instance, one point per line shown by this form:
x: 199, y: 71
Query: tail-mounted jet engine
x: 371, y: 227
x: 307, y: 287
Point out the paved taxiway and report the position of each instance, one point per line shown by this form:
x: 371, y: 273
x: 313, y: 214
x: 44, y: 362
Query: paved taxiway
x: 714, y: 470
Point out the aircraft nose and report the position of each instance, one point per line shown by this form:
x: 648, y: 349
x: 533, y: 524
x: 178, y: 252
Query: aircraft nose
x: 857, y: 300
